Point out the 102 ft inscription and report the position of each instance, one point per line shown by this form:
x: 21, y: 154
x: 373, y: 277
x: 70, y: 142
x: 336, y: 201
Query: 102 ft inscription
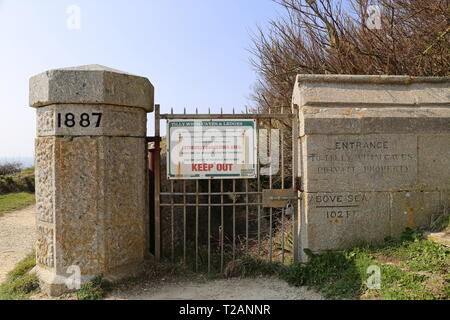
x: 85, y: 120
x: 340, y: 214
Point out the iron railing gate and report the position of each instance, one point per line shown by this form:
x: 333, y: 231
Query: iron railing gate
x: 208, y: 223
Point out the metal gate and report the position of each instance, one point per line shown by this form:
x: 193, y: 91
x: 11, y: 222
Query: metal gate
x: 208, y: 223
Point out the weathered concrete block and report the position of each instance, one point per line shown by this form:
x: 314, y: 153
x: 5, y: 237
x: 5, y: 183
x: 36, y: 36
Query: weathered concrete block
x: 374, y: 120
x: 413, y: 209
x: 341, y: 219
x: 387, y: 137
x: 91, y: 84
x: 434, y: 162
x: 363, y: 91
x: 91, y: 120
x: 91, y: 170
x: 359, y: 162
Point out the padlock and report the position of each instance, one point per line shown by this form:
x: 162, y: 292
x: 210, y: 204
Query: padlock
x: 289, y: 209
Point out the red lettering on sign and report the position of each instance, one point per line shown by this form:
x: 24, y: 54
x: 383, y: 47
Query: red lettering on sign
x: 202, y: 167
x: 224, y: 167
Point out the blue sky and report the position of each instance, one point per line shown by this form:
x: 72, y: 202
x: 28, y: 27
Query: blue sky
x: 194, y: 52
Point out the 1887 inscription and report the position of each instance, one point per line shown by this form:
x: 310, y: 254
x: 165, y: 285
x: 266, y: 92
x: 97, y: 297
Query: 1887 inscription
x: 85, y: 120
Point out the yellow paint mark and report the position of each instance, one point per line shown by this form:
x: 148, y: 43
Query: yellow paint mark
x: 179, y: 169
x: 410, y: 218
x: 347, y: 112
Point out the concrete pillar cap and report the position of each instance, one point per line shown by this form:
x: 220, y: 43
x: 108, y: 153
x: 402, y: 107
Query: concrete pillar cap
x: 91, y: 84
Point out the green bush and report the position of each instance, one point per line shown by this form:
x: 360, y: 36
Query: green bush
x: 20, y: 182
x: 93, y: 290
x: 20, y: 284
x: 249, y: 266
x: 335, y: 274
x: 414, y: 268
x: 10, y: 168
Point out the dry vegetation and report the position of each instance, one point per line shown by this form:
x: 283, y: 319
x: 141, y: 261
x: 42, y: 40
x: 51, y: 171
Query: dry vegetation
x: 331, y: 37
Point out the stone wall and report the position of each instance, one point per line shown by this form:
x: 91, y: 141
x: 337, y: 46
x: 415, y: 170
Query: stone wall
x: 91, y: 170
x: 375, y: 156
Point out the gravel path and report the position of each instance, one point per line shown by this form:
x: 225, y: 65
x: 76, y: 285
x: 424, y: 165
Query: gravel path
x: 17, y: 237
x: 231, y: 289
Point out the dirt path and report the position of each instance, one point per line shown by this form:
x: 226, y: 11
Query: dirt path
x: 231, y: 289
x: 17, y: 236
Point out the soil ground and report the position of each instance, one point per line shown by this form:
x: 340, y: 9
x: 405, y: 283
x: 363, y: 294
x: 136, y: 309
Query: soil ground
x: 262, y: 288
x: 17, y: 237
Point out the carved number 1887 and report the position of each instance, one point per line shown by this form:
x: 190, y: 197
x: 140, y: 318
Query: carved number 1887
x: 70, y: 120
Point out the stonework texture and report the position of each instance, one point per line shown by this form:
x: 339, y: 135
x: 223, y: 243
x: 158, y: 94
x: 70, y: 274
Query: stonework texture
x: 92, y: 84
x: 91, y: 169
x: 375, y: 156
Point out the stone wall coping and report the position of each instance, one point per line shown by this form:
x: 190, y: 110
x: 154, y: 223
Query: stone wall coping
x: 370, y: 91
x: 91, y: 84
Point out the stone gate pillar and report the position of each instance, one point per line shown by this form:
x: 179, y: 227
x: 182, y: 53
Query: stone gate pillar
x: 375, y: 156
x: 90, y: 174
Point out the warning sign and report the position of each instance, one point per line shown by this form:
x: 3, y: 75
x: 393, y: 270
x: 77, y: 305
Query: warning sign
x: 208, y: 149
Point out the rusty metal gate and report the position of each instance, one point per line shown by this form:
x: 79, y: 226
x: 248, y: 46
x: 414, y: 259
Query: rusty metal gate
x: 206, y: 224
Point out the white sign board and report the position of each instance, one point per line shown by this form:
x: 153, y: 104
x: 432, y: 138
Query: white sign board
x: 211, y: 149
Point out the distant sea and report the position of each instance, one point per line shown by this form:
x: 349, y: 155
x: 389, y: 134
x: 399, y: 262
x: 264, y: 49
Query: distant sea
x: 25, y: 161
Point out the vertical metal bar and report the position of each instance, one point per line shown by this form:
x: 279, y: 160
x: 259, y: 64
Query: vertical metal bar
x: 234, y: 219
x: 246, y: 215
x: 209, y: 226
x: 184, y: 217
x: 172, y: 217
x: 222, y: 226
x: 281, y: 151
x: 184, y: 222
x: 172, y: 222
x: 150, y: 196
x: 157, y: 184
x: 196, y: 225
x: 295, y: 154
x: 209, y: 219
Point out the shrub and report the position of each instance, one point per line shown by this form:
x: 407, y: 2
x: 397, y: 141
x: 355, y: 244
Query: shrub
x: 249, y: 266
x: 10, y: 168
x: 19, y: 182
x: 93, y: 290
x: 20, y: 284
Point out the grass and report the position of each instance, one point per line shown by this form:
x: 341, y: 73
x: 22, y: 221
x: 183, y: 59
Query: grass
x: 19, y: 284
x: 249, y: 266
x: 23, y: 181
x: 95, y: 289
x: 411, y: 268
x: 15, y: 201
